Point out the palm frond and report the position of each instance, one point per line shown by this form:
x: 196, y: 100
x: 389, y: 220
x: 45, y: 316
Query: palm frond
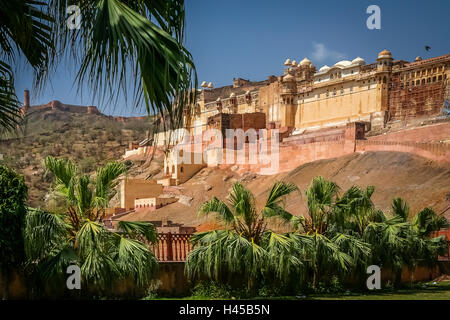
x: 10, y: 115
x: 121, y: 42
x: 106, y: 181
x: 274, y: 206
x: 136, y: 228
x: 400, y: 208
x: 217, y: 206
x: 43, y: 233
x: 426, y: 221
x: 135, y: 260
x: 92, y: 235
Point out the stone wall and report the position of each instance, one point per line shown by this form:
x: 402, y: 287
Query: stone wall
x: 413, y: 101
x: 131, y: 189
x: 432, y: 133
x: 326, y: 144
x: 432, y: 151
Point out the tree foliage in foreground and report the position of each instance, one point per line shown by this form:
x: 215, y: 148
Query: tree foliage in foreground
x: 340, y: 235
x: 119, y: 46
x: 77, y: 236
x: 13, y: 193
x: 246, y: 246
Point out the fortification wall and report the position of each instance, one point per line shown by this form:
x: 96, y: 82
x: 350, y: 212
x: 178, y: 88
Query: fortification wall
x: 295, y: 152
x: 406, y: 102
x: 432, y: 133
x: 432, y: 151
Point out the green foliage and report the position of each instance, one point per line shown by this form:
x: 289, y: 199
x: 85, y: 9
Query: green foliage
x: 427, y: 221
x: 212, y: 290
x: 24, y: 31
x: 331, y: 286
x: 13, y: 193
x: 55, y: 240
x: 340, y: 235
x: 117, y: 41
x: 245, y: 248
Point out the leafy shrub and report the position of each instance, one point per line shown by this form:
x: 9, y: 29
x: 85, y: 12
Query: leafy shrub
x: 269, y: 291
x: 13, y: 193
x: 212, y: 290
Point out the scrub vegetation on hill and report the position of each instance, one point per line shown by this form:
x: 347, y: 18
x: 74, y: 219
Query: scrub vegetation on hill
x: 90, y: 140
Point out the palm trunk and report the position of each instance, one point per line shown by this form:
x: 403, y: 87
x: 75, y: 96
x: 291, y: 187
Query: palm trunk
x: 250, y: 285
x: 314, y: 277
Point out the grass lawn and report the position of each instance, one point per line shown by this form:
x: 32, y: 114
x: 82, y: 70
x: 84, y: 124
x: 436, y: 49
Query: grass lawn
x: 424, y: 291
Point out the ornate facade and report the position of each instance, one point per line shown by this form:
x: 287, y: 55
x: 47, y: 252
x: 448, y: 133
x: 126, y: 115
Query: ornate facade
x: 305, y: 98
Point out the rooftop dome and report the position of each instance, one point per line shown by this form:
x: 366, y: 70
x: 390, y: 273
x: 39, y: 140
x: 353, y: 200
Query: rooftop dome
x: 204, y: 85
x: 385, y: 54
x: 287, y: 62
x: 324, y: 68
x: 342, y: 63
x: 305, y: 62
x: 294, y: 63
x: 418, y: 58
x: 210, y: 85
x: 359, y: 61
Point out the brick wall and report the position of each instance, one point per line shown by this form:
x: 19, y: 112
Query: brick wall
x: 412, y: 101
x: 432, y: 133
x: 295, y: 151
x: 255, y: 120
x: 433, y: 151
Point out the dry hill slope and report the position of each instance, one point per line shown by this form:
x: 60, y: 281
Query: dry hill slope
x: 394, y: 174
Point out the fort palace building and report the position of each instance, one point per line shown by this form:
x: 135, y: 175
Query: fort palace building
x: 305, y: 97
x: 352, y: 106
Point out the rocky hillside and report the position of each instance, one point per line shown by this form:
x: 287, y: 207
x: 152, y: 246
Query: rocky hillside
x: 89, y: 139
x: 419, y: 181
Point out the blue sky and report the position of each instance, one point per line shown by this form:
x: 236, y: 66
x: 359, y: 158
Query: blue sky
x: 251, y: 39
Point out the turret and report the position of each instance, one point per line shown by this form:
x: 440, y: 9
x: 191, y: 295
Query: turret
x: 288, y: 96
x: 26, y: 98
x: 26, y: 101
x: 384, y: 61
x: 384, y: 68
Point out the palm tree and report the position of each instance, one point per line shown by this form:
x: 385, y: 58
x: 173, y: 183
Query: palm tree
x: 326, y: 248
x: 397, y: 242
x: 245, y: 246
x: 24, y: 32
x: 55, y: 240
x: 117, y: 41
x: 426, y: 221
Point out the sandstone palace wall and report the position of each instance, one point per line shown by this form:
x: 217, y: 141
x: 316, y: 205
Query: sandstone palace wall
x: 304, y: 98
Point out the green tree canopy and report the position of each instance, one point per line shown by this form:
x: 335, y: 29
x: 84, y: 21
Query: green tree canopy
x: 78, y: 236
x: 13, y: 193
